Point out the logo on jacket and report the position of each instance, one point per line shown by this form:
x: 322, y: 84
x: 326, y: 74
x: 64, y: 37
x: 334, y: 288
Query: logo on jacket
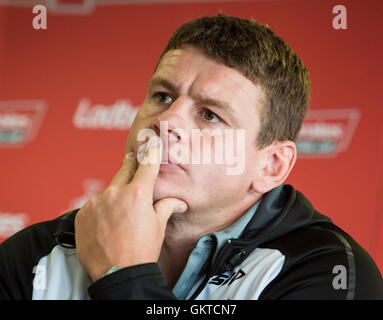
x: 326, y: 133
x: 20, y: 121
x: 227, y: 279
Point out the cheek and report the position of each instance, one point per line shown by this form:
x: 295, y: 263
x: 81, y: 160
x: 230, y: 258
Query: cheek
x: 212, y: 178
x: 218, y: 188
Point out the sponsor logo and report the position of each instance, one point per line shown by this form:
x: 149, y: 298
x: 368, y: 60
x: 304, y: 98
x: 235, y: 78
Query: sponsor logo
x: 325, y: 133
x: 227, y: 279
x: 118, y: 116
x: 11, y: 223
x: 20, y: 121
x: 71, y: 6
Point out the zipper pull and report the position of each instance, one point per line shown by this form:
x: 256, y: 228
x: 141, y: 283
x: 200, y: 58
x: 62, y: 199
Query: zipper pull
x: 235, y: 260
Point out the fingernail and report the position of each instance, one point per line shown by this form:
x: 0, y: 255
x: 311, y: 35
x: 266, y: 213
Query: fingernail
x: 154, y: 141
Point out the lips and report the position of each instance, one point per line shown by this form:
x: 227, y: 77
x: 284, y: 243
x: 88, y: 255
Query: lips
x: 167, y: 157
x: 171, y: 160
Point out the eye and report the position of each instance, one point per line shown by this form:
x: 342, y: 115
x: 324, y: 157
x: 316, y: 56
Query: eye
x: 210, y: 116
x: 163, y: 98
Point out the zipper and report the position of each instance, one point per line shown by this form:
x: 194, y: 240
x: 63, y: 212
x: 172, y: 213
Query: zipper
x: 212, y: 269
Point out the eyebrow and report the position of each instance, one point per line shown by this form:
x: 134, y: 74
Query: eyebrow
x: 201, y: 98
x: 159, y: 81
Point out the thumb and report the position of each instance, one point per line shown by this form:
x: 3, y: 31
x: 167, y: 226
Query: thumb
x: 165, y: 207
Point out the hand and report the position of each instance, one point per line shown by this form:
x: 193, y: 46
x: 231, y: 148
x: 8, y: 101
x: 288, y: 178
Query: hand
x: 121, y: 226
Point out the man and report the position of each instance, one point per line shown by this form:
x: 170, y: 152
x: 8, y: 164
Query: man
x: 191, y: 230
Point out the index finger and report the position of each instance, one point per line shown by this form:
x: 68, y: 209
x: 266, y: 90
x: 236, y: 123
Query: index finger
x: 127, y: 170
x: 148, y: 169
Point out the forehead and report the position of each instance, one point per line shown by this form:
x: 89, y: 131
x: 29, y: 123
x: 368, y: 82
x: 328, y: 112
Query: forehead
x: 193, y: 73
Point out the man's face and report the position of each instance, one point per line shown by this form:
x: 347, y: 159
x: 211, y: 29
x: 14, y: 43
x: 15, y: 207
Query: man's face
x: 191, y: 94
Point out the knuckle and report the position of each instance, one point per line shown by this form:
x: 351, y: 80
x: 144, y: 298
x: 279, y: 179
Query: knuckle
x: 111, y: 193
x: 125, y: 171
x: 138, y: 190
x: 92, y: 202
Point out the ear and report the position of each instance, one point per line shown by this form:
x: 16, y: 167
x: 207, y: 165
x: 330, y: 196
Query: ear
x: 279, y: 159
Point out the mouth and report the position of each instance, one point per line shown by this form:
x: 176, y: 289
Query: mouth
x: 168, y: 161
x: 164, y: 167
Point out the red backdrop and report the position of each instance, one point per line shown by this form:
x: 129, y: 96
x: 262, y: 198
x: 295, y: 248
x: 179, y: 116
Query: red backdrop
x: 69, y: 93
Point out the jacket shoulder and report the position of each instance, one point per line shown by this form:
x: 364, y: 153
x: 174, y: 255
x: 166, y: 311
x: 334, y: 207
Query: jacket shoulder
x: 20, y: 253
x: 323, y: 262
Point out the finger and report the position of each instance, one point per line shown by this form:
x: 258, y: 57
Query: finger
x: 148, y: 169
x: 127, y: 170
x: 166, y: 207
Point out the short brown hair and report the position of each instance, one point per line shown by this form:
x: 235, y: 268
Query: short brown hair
x: 256, y: 51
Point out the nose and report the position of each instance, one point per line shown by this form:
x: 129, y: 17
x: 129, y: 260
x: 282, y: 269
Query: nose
x: 173, y: 122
